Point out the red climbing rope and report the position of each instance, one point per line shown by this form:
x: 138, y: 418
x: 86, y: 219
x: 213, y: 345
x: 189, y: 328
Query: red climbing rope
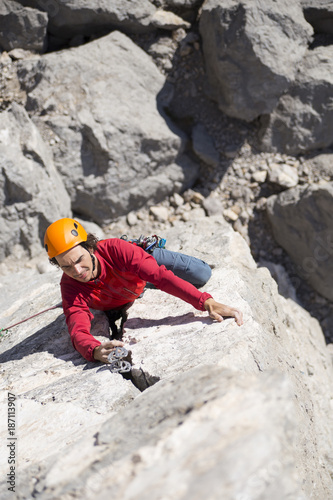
x: 30, y: 317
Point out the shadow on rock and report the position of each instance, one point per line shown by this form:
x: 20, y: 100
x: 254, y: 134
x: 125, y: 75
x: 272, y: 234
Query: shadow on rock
x: 168, y: 320
x: 52, y: 338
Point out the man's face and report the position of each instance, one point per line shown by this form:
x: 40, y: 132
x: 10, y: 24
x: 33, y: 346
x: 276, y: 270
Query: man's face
x: 76, y: 263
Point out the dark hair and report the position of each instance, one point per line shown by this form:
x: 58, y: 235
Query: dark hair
x: 90, y: 244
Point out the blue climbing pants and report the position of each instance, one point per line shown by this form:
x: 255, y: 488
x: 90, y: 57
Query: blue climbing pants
x: 195, y: 271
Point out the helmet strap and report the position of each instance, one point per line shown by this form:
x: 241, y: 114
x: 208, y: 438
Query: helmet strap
x: 93, y: 262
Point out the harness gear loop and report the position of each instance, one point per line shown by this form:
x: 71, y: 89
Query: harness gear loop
x: 148, y: 243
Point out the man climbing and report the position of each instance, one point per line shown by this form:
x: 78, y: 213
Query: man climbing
x: 110, y: 274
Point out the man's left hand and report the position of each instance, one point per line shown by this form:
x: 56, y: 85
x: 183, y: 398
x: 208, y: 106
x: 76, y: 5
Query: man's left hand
x: 218, y: 311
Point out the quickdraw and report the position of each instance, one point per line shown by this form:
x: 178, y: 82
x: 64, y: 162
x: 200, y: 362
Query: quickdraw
x: 148, y: 243
x: 117, y: 363
x: 120, y: 366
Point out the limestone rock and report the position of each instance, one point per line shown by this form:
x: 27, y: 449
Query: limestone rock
x: 285, y: 286
x: 319, y: 13
x: 323, y: 163
x: 204, y: 146
x: 302, y: 225
x: 160, y: 213
x: 131, y: 219
x: 252, y: 50
x: 230, y: 215
x: 54, y: 383
x: 195, y: 407
x: 67, y: 18
x: 264, y: 390
x: 186, y: 9
x: 259, y: 176
x: 213, y: 206
x: 167, y: 20
x: 32, y: 194
x: 283, y: 175
x: 177, y: 200
x: 179, y: 4
x: 92, y: 228
x: 302, y: 120
x: 113, y: 148
x: 23, y: 28
x: 252, y: 401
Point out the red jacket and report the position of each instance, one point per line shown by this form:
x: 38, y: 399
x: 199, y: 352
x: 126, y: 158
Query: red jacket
x: 125, y: 269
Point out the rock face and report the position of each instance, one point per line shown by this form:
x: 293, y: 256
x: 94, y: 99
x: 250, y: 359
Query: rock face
x: 302, y: 225
x: 31, y: 192
x: 251, y: 52
x: 242, y: 412
x: 111, y: 145
x: 204, y: 146
x: 302, y: 120
x: 319, y: 13
x: 67, y: 18
x: 100, y: 105
x: 209, y: 409
x: 22, y: 28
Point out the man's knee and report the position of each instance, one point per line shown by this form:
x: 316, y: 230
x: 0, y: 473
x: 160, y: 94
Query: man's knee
x: 202, y: 275
x: 191, y: 269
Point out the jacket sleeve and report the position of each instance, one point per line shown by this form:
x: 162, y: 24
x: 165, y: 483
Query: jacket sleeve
x: 139, y: 262
x: 78, y: 319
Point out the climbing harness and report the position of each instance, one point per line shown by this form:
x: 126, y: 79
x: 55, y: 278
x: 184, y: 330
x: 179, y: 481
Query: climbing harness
x: 5, y: 330
x: 148, y: 243
x: 117, y: 363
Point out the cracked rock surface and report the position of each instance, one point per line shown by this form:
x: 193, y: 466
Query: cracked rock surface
x: 232, y: 405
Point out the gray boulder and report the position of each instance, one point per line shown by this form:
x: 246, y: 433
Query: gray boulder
x: 252, y: 51
x: 192, y: 408
x: 203, y: 145
x: 179, y: 4
x: 319, y: 13
x: 187, y: 9
x: 113, y: 148
x: 323, y: 164
x: 282, y: 174
x: 303, y: 118
x: 32, y: 194
x: 23, y: 28
x: 239, y: 412
x: 301, y: 219
x: 68, y: 19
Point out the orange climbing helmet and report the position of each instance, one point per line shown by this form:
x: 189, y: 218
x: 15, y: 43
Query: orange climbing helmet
x: 62, y: 235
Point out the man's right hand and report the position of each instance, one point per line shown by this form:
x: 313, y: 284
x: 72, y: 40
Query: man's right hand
x: 102, y: 351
